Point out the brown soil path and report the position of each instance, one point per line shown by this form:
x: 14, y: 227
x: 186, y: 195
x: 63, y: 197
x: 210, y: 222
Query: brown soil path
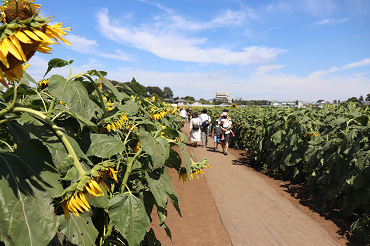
x: 235, y: 200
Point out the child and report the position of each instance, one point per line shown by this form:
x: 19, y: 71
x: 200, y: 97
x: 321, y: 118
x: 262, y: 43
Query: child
x: 216, y: 132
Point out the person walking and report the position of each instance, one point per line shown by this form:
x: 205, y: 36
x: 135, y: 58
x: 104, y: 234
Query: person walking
x: 195, y: 125
x: 225, y: 141
x: 206, y: 120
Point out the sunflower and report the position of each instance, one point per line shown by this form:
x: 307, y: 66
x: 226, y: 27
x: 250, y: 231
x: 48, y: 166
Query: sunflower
x: 117, y: 121
x: 196, y: 167
x: 43, y: 84
x: 22, y: 34
x: 73, y: 198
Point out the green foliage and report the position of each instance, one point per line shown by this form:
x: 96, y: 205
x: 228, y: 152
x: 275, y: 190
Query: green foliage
x: 328, y: 147
x: 57, y: 141
x: 361, y: 228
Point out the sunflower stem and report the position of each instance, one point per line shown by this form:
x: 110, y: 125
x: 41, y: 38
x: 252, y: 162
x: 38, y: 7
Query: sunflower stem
x: 51, y: 107
x: 128, y: 170
x: 9, y: 108
x: 100, y: 96
x: 60, y: 134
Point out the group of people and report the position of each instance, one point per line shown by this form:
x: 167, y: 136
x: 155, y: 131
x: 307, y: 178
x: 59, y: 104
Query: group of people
x: 200, y: 125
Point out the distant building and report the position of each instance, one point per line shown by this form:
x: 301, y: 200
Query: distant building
x: 223, y: 96
x: 181, y: 102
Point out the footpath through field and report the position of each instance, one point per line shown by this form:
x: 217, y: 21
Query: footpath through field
x: 252, y: 212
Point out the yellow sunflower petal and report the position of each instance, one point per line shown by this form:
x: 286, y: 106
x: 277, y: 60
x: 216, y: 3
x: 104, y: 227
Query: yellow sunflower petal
x: 92, y: 191
x: 23, y: 37
x: 113, y: 174
x: 18, y: 46
x: 96, y: 185
x: 104, y: 185
x: 75, y: 203
x: 81, y: 202
x: 11, y: 48
x: 32, y: 35
x: 43, y: 36
x: 88, y: 195
x: 65, y: 210
x: 3, y: 59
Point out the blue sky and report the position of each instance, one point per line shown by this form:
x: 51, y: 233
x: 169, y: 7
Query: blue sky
x: 275, y: 50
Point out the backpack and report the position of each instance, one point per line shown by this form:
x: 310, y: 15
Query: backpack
x: 205, y: 124
x: 195, y: 126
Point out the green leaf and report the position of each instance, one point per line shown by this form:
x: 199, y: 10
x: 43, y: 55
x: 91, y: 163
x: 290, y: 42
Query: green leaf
x: 57, y: 63
x: 185, y: 157
x: 128, y: 214
x: 50, y: 139
x: 28, y: 182
x: 79, y: 230
x: 174, y: 160
x: 27, y: 77
x: 150, y: 239
x: 74, y: 94
x: 129, y: 107
x: 101, y: 145
x: 119, y: 95
x: 138, y: 87
x: 278, y: 136
x: 17, y: 131
x: 157, y: 148
x: 161, y: 185
x: 81, y: 119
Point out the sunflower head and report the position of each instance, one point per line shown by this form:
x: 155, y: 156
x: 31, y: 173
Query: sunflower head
x: 43, y: 84
x: 21, y: 9
x: 22, y: 34
x: 73, y: 198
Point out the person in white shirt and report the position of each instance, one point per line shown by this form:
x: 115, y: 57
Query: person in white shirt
x: 195, y: 125
x: 206, y: 120
x: 184, y: 115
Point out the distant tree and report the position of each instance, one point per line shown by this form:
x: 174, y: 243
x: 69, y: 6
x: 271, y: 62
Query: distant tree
x: 176, y: 98
x: 335, y: 101
x: 155, y: 90
x: 189, y: 99
x: 296, y: 102
x: 353, y: 99
x: 338, y: 101
x: 361, y: 98
x: 368, y: 97
x: 167, y: 92
x: 204, y: 101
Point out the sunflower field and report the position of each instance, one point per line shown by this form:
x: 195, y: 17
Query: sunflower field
x: 329, y: 148
x: 83, y: 161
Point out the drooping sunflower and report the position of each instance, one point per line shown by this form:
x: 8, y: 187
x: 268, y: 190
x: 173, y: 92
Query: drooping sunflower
x: 116, y: 122
x: 22, y: 33
x: 73, y: 198
x: 196, y: 167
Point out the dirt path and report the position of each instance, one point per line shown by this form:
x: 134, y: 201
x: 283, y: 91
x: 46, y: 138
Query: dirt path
x: 234, y: 205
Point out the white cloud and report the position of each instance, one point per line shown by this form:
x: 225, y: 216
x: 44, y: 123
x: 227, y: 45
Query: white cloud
x: 262, y: 70
x: 172, y: 46
x: 85, y: 46
x: 330, y: 21
x: 205, y: 84
x: 364, y: 62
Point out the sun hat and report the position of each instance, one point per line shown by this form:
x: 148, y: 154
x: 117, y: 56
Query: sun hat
x: 224, y: 114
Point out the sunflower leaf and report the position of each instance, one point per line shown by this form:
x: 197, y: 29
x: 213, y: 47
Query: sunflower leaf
x: 128, y: 214
x: 79, y: 230
x: 28, y: 182
x: 57, y: 63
